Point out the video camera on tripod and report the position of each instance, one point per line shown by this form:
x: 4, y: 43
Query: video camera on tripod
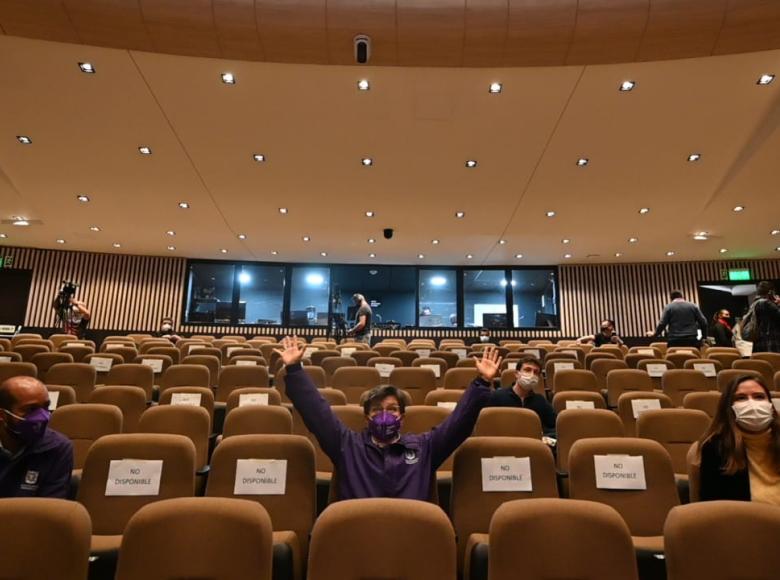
x: 62, y: 302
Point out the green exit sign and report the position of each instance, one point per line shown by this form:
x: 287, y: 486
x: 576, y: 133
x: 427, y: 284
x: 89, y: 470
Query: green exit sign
x: 739, y: 274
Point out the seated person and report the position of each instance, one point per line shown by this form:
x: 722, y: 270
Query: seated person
x: 605, y: 335
x: 522, y: 394
x: 380, y: 461
x: 34, y: 461
x: 484, y: 335
x: 166, y: 330
x: 740, y: 452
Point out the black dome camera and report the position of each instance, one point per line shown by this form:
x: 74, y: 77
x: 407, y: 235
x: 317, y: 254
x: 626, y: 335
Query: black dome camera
x: 388, y: 233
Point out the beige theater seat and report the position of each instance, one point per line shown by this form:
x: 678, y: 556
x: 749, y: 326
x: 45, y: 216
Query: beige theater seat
x: 84, y: 424
x: 258, y: 420
x: 130, y: 400
x: 508, y: 422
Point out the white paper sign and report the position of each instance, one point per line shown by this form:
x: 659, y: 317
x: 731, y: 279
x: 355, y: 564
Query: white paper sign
x: 562, y: 366
x: 580, y: 405
x: 461, y: 352
x: 134, y: 477
x: 639, y: 406
x: 194, y: 347
x: 260, y: 477
x: 384, y: 369
x: 685, y: 352
x: 620, y: 471
x: 656, y: 369
x: 511, y: 365
x: 155, y: 363
x: 64, y: 344
x: 533, y: 352
x: 649, y: 351
x: 506, y: 474
x: 5, y: 359
x: 101, y: 363
x: 707, y: 368
x: 424, y: 352
x: 308, y: 352
x: 188, y: 399
x: 246, y: 363
x: 54, y: 398
x: 347, y: 351
x: 435, y: 368
x: 245, y: 399
x: 231, y: 349
x: 447, y: 404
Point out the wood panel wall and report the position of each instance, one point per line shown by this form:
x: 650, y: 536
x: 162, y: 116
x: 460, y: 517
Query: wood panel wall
x: 132, y: 293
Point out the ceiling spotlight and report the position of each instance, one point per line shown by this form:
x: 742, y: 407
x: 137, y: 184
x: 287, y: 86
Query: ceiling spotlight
x: 94, y: 228
x: 518, y: 256
x: 582, y: 161
x: 739, y: 208
x: 241, y: 236
x: 23, y: 139
x: 765, y: 79
x: 459, y: 214
x: 434, y: 242
x: 171, y: 233
x: 228, y: 78
x: 644, y: 210
x: 723, y: 250
x: 86, y: 67
x: 259, y: 157
x: 471, y: 163
x: 367, y: 162
x: 372, y: 255
x: 618, y: 254
x: 469, y: 256
x: 306, y: 238
x: 626, y: 86
x: 495, y: 88
x: 550, y: 214
x: 420, y: 256
x: 369, y: 214
x: 502, y: 242
x: 323, y: 254
x: 223, y: 251
x: 701, y: 236
x: 633, y: 240
x: 371, y: 241
x: 566, y: 241
x: 3, y: 236
x: 670, y: 253
x: 694, y: 156
x: 117, y: 245
x: 143, y: 150
x: 274, y: 252
x: 363, y: 85
x: 83, y: 198
x: 20, y: 221
x: 184, y: 205
x: 775, y: 232
x: 283, y: 210
x: 171, y: 248
x: 777, y: 249
x: 60, y: 241
x: 567, y: 256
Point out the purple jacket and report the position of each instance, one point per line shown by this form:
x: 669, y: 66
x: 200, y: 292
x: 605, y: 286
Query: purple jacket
x: 404, y: 469
x: 42, y: 470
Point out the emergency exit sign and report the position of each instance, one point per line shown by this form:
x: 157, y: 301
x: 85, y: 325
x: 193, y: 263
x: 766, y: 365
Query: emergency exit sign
x: 6, y: 261
x: 739, y: 274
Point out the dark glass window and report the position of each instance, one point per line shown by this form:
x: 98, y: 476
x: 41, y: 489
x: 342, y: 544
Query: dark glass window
x: 438, y: 298
x: 484, y: 298
x: 261, y: 294
x: 210, y: 296
x: 309, y: 296
x: 535, y: 298
x: 390, y: 290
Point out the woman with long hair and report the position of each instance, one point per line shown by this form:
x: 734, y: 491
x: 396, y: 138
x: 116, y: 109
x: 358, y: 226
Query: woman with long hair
x: 721, y: 328
x: 740, y: 452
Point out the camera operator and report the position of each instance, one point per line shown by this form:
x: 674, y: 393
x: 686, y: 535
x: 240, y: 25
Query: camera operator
x: 362, y: 329
x: 72, y: 314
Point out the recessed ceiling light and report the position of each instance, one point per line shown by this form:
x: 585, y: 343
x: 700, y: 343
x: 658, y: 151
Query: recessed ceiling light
x: 323, y: 254
x: 223, y: 251
x: 283, y: 210
x: 469, y: 256
x: 117, y: 245
x: 518, y: 256
x: 363, y: 85
x: 694, y: 156
x: 723, y: 250
x: 434, y: 242
x: 83, y: 198
x: 566, y: 241
x: 471, y: 163
x: 23, y: 139
x: 701, y: 236
x: 502, y: 242
x: 144, y: 150
x: 94, y: 228
x: 739, y: 208
x: 626, y: 86
x: 184, y: 205
x: 87, y: 67
x: 633, y: 240
x: 274, y: 252
x: 171, y: 233
x: 495, y: 88
x: 582, y: 161
x: 367, y: 162
x: 20, y: 221
x: 618, y: 254
x: 60, y: 241
x: 777, y: 249
x: 371, y: 241
x: 3, y: 236
x: 644, y: 210
x: 171, y: 248
x: 765, y: 79
x: 775, y: 232
x: 420, y: 256
x: 372, y: 255
x: 369, y: 214
x: 306, y: 238
x: 241, y: 236
x: 228, y: 78
x: 550, y: 214
x: 259, y: 157
x: 670, y: 253
x: 459, y: 214
x: 567, y: 256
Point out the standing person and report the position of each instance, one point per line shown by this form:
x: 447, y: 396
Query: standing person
x: 721, y: 328
x: 379, y: 461
x: 522, y: 394
x: 767, y: 312
x: 362, y: 329
x: 605, y: 335
x: 73, y: 314
x: 740, y: 452
x: 682, y: 321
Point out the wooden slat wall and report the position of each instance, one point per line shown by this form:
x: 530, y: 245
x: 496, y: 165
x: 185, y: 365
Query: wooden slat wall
x: 132, y: 293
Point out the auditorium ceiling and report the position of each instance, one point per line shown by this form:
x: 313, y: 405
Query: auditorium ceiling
x: 419, y: 126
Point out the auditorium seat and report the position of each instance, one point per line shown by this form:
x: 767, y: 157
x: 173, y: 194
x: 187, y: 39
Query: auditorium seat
x: 407, y: 356
x: 65, y: 396
x: 58, y: 339
x: 385, y: 349
x: 190, y: 396
x: 103, y: 363
x: 706, y: 401
x: 678, y: 359
x: 459, y: 378
x: 353, y: 418
x: 772, y: 358
x: 450, y: 358
x: 184, y: 376
x: 417, y: 382
x: 676, y: 430
x: 44, y: 538
x: 7, y: 356
x: 130, y: 400
x: 722, y: 540
x: 683, y: 349
x: 43, y: 361
x: 468, y: 362
x: 472, y: 506
x: 660, y: 346
x: 387, y: 362
x: 643, y: 364
x: 132, y: 374
x: 212, y: 363
x: 316, y: 374
x: 234, y: 399
x: 80, y: 376
x: 151, y: 360
x: 110, y: 513
x: 79, y: 352
x: 241, y: 350
x: 35, y: 341
x: 552, y: 366
x: 28, y: 350
x: 576, y: 380
x: 760, y: 366
x: 248, y: 360
x: 418, y: 541
x: 353, y: 380
x: 705, y: 366
x: 624, y: 380
x: 145, y: 345
x: 508, y: 422
x: 84, y: 424
x: 363, y: 356
x: 192, y: 422
x: 610, y: 348
x: 433, y: 398
x: 171, y: 351
x: 422, y: 418
x: 727, y: 376
x: 331, y: 363
x: 236, y: 377
x: 726, y: 359
x: 440, y: 365
x: 257, y: 420
x: 128, y: 353
x: 602, y: 367
x: 573, y: 425
x: 632, y: 404
x: 595, y: 355
x: 578, y: 399
x: 138, y: 337
x: 632, y: 359
x: 676, y: 383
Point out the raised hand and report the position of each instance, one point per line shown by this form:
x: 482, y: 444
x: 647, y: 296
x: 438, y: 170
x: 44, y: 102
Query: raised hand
x: 291, y: 351
x: 489, y: 364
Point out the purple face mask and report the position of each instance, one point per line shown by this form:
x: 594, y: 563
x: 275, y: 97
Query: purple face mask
x: 384, y: 426
x: 29, y: 429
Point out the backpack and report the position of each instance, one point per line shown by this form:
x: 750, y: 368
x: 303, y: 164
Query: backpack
x: 749, y: 328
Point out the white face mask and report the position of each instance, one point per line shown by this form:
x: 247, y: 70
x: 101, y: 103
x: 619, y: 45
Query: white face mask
x: 527, y: 381
x: 753, y: 415
x: 165, y: 327
x: 484, y: 338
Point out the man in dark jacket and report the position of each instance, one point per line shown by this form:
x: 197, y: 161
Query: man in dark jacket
x: 767, y: 313
x: 522, y: 394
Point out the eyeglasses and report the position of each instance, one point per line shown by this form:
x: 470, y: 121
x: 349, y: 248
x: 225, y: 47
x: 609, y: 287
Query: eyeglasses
x: 389, y: 409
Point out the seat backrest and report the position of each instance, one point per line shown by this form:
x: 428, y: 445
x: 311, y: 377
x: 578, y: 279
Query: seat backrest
x: 407, y: 356
x: 7, y: 356
x: 128, y: 353
x: 552, y: 366
x: 418, y: 382
x: 632, y: 359
x: 652, y: 367
x: 726, y: 376
x: 594, y: 356
x: 678, y: 359
x: 45, y: 360
x: 236, y: 377
x: 65, y: 395
x: 702, y: 401
x: 78, y: 351
x: 17, y: 369
x: 175, y: 353
x: 676, y: 383
x: 28, y: 350
x: 316, y: 374
x: 576, y: 380
x: 475, y: 497
x: 212, y: 363
x: 320, y: 355
x: 84, y: 424
x: 423, y: 418
x: 433, y: 398
x: 451, y: 358
x: 234, y: 399
x: 560, y: 538
x: 192, y: 422
x: 709, y: 367
x: 129, y: 399
x: 467, y: 363
x: 575, y: 424
x: 508, y: 422
x: 625, y: 380
x: 44, y: 538
x: 675, y: 429
x: 184, y: 376
x: 758, y: 365
x: 726, y: 359
x: 644, y: 510
x: 385, y: 349
x: 387, y: 364
x: 345, y: 536
x: 331, y: 363
x: 353, y: 418
x: 602, y: 367
x: 194, y: 396
x: 80, y: 376
x: 291, y: 508
x: 197, y: 538
x: 258, y: 420
x: 773, y: 358
x: 721, y: 540
x: 578, y: 400
x: 363, y: 356
x: 134, y: 374
x: 459, y: 378
x: 632, y: 404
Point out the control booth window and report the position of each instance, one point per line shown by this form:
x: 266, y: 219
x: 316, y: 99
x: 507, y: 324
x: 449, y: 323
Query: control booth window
x: 309, y: 296
x: 484, y: 298
x: 261, y: 294
x: 210, y: 296
x: 438, y: 298
x: 391, y: 291
x: 535, y: 298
